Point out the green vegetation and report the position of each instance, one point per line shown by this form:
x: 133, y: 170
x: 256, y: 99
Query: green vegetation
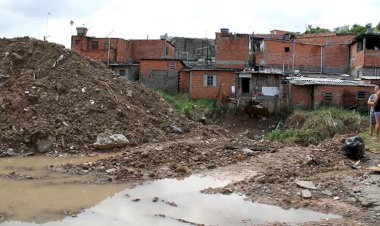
x: 355, y: 29
x: 315, y: 30
x: 192, y: 108
x: 369, y: 142
x: 312, y: 127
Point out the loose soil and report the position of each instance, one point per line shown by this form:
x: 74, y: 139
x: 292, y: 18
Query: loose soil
x: 51, y: 94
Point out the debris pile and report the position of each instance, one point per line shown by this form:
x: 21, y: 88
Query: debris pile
x: 54, y: 100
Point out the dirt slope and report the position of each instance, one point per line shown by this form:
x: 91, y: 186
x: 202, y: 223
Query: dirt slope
x: 55, y: 97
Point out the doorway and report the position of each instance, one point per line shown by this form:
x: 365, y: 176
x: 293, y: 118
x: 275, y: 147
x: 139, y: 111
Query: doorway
x: 245, y: 85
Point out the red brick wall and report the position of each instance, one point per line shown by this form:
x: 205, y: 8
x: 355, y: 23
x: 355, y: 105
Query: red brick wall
x: 301, y: 96
x: 356, y: 58
x: 184, y: 81
x: 325, y: 39
x: 200, y: 91
x: 372, y: 58
x: 335, y: 56
x: 146, y: 66
x: 231, y: 51
x: 117, y: 51
x: 344, y: 96
x: 307, y: 57
x: 154, y: 49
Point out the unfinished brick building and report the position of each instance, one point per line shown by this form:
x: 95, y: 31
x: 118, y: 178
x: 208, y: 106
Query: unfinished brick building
x: 365, y: 57
x: 317, y: 53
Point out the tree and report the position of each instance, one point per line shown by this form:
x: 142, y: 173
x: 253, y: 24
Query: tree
x: 377, y: 28
x: 315, y: 30
x: 358, y: 29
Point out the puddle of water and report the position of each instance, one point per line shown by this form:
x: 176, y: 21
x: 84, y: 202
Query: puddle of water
x: 181, y: 199
x: 53, y: 195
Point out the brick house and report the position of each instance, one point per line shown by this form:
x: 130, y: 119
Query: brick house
x: 123, y: 56
x: 365, y: 57
x: 206, y: 82
x: 310, y: 92
x: 265, y: 87
x: 232, y: 50
x: 161, y: 74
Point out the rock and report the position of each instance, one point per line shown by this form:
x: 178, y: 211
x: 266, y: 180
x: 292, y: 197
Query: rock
x: 109, y: 171
x: 176, y: 129
x: 305, y: 193
x: 336, y: 198
x: 248, y: 152
x: 306, y: 184
x: 105, y: 140
x: 45, y: 144
x: 327, y: 192
x: 15, y: 56
x: 10, y: 152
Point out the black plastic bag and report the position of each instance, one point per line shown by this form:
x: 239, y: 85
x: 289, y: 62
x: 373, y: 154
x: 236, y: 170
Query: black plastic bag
x: 353, y: 147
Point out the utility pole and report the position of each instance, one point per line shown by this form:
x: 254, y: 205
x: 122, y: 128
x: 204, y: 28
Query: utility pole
x: 47, y: 26
x: 109, y: 48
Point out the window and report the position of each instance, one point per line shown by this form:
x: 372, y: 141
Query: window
x: 287, y: 49
x: 172, y: 66
x: 94, y: 45
x: 77, y: 42
x: 359, y: 46
x: 209, y: 80
x: 328, y: 96
x: 361, y: 95
x: 166, y: 50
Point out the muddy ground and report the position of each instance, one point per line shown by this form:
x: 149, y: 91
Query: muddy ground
x: 55, y: 102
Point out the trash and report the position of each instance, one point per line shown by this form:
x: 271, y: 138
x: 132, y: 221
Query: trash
x: 374, y: 168
x: 354, y: 147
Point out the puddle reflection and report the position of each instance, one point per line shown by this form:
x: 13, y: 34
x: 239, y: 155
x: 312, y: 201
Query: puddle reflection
x: 178, y: 202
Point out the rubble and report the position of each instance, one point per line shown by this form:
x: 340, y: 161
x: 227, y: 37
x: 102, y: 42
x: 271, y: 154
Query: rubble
x: 55, y: 100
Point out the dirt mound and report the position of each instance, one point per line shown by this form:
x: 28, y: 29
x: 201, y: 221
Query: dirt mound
x: 54, y: 100
x: 178, y: 158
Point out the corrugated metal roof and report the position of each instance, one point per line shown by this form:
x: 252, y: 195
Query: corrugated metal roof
x: 370, y: 77
x: 303, y: 81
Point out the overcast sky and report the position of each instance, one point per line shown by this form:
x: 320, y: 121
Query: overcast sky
x: 193, y: 18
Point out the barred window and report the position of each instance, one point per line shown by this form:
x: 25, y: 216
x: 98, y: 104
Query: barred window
x: 328, y: 96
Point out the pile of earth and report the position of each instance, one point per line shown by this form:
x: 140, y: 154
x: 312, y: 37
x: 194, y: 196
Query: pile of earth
x: 179, y: 158
x: 55, y: 100
x: 334, y: 182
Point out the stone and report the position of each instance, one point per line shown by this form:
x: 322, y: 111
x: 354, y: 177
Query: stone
x: 105, y: 140
x: 111, y: 170
x: 306, y: 184
x: 306, y: 194
x: 176, y: 129
x: 45, y: 144
x: 248, y: 152
x: 327, y: 192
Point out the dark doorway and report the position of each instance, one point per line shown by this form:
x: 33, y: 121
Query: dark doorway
x: 245, y: 85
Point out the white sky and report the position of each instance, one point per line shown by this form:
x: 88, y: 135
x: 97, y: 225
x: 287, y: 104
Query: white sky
x: 193, y: 18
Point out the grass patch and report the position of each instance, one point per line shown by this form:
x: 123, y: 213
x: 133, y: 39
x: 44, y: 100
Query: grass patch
x: 369, y: 143
x: 192, y: 108
x: 312, y: 127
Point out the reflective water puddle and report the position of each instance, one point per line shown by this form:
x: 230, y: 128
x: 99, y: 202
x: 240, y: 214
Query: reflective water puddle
x: 179, y: 202
x: 32, y: 193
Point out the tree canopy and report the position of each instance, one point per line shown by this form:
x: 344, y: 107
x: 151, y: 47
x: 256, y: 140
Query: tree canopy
x: 310, y: 29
